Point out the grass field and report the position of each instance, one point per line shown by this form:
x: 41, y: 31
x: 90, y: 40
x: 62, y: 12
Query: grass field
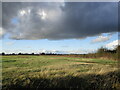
x: 36, y: 72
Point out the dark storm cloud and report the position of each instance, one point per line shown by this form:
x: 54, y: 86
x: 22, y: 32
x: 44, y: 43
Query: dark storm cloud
x: 0, y: 14
x: 57, y: 21
x: 1, y: 33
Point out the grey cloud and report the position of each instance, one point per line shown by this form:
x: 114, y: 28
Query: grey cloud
x: 0, y: 14
x: 62, y: 21
x: 1, y: 30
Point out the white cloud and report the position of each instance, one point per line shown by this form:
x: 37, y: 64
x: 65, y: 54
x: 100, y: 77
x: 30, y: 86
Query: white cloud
x: 81, y: 51
x: 42, y: 14
x: 23, y: 12
x: 50, y: 51
x: 101, y: 39
x: 112, y: 44
x: 10, y: 43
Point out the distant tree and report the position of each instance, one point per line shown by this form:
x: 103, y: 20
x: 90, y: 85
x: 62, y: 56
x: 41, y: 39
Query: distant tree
x: 111, y: 51
x: 3, y: 53
x: 42, y: 53
x: 19, y: 53
x: 118, y: 52
x: 101, y: 50
x: 32, y: 53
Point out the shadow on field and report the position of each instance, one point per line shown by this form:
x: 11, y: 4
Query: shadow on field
x: 108, y: 81
x: 9, y: 61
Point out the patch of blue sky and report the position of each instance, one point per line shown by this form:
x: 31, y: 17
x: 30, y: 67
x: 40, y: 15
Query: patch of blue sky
x: 44, y: 44
x: 15, y: 20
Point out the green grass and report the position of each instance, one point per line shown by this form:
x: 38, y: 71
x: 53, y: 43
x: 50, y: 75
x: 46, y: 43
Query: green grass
x: 56, y: 71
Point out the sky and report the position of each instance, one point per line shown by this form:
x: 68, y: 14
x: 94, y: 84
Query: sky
x: 58, y: 27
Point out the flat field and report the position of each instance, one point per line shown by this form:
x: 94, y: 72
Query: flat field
x: 54, y: 71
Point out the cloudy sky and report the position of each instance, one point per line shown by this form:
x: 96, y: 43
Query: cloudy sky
x: 59, y: 27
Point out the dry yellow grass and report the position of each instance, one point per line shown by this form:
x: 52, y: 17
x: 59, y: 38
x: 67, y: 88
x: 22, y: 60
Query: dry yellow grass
x: 47, y: 71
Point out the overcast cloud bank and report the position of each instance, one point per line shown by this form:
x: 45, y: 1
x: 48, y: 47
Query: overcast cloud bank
x: 58, y: 20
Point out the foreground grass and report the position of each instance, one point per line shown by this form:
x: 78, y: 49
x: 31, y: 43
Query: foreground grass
x: 59, y: 72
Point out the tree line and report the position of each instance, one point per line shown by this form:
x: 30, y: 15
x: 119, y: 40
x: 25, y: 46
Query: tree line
x: 101, y: 53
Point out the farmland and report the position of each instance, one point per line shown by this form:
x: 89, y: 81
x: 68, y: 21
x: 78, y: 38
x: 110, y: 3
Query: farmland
x: 54, y: 71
